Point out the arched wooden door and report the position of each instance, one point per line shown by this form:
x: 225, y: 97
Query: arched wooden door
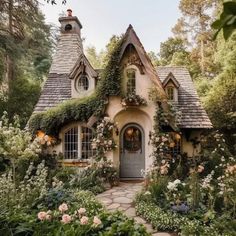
x: 132, y: 153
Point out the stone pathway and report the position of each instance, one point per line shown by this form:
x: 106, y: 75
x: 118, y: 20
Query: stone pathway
x: 121, y: 198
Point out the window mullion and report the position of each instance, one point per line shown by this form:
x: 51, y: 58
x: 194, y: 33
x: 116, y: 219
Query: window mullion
x: 79, y: 142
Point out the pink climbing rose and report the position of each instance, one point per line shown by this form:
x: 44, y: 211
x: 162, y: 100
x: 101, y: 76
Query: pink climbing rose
x: 96, y: 221
x: 81, y: 211
x: 66, y: 219
x: 63, y: 207
x: 42, y: 215
x: 84, y: 220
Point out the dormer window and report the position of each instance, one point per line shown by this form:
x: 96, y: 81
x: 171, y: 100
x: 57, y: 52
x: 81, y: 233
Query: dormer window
x: 170, y: 91
x: 83, y: 83
x: 131, y: 81
x: 171, y: 86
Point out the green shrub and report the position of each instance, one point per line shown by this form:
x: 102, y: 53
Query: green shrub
x: 65, y: 174
x: 166, y: 220
x: 54, y: 197
x: 95, y: 176
x: 158, y: 189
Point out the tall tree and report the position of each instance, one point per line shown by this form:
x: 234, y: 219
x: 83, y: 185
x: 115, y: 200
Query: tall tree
x: 94, y: 57
x: 168, y: 48
x: 25, y: 55
x: 198, y: 15
x: 22, y: 23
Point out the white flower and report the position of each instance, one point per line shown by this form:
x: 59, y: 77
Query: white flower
x: 147, y: 193
x: 177, y: 181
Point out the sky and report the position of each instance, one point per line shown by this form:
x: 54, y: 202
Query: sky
x: 152, y: 19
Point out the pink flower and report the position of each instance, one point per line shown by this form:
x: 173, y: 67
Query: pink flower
x: 200, y: 169
x: 66, y: 219
x: 96, y: 221
x: 42, y: 215
x: 84, y: 220
x: 63, y: 207
x: 81, y: 211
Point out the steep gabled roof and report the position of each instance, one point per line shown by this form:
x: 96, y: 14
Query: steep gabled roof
x: 57, y: 89
x: 193, y: 115
x: 132, y: 38
x: 171, y: 77
x: 81, y: 64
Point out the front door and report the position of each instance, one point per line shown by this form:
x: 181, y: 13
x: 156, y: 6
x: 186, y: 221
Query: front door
x: 132, y: 155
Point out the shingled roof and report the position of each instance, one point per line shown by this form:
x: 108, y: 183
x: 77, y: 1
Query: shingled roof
x: 57, y: 87
x: 193, y: 114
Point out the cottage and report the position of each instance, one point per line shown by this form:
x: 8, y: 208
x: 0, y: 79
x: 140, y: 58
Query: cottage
x: 72, y: 77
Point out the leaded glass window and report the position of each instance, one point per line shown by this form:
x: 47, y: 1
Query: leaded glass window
x: 86, y: 141
x: 83, y: 83
x: 131, y: 81
x: 71, y: 143
x: 170, y: 93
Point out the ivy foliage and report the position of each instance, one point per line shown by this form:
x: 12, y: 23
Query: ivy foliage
x: 81, y: 110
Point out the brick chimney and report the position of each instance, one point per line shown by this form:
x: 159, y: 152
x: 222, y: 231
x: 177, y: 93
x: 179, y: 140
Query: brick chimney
x: 70, y: 24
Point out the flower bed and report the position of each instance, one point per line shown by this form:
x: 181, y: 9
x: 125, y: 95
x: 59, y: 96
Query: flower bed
x: 191, y: 196
x: 38, y: 207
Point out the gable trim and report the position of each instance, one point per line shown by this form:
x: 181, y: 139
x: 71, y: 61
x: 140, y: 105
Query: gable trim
x: 171, y: 77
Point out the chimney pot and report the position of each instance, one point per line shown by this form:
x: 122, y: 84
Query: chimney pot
x: 69, y: 12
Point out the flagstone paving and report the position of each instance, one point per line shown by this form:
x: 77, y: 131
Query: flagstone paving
x: 121, y: 198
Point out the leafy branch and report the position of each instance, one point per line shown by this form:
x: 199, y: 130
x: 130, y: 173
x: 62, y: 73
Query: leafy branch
x: 227, y: 20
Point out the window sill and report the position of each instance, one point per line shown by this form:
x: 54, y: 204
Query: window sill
x: 74, y: 162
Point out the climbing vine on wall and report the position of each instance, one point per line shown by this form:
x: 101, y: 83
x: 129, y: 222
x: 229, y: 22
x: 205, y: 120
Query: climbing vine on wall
x: 161, y: 140
x: 81, y: 110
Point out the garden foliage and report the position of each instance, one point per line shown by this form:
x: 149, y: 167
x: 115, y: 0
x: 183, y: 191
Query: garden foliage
x: 191, y: 195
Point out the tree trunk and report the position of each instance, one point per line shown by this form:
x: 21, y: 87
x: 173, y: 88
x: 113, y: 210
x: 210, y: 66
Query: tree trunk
x: 9, y: 61
x: 202, y: 63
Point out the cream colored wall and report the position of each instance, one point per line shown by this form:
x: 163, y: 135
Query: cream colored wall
x: 141, y: 115
x: 143, y: 83
x: 187, y: 146
x: 133, y: 116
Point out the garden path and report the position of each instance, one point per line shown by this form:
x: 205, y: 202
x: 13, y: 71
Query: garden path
x: 122, y: 198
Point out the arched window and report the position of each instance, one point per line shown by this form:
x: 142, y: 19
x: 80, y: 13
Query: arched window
x: 131, y: 81
x: 71, y: 143
x: 86, y: 141
x: 170, y: 93
x: 77, y: 143
x: 83, y: 83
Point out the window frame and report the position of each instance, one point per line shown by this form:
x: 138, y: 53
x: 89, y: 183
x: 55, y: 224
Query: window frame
x: 130, y: 82
x: 173, y: 92
x: 79, y: 143
x: 80, y: 86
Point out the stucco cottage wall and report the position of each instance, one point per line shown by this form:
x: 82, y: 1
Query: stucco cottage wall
x: 140, y: 115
